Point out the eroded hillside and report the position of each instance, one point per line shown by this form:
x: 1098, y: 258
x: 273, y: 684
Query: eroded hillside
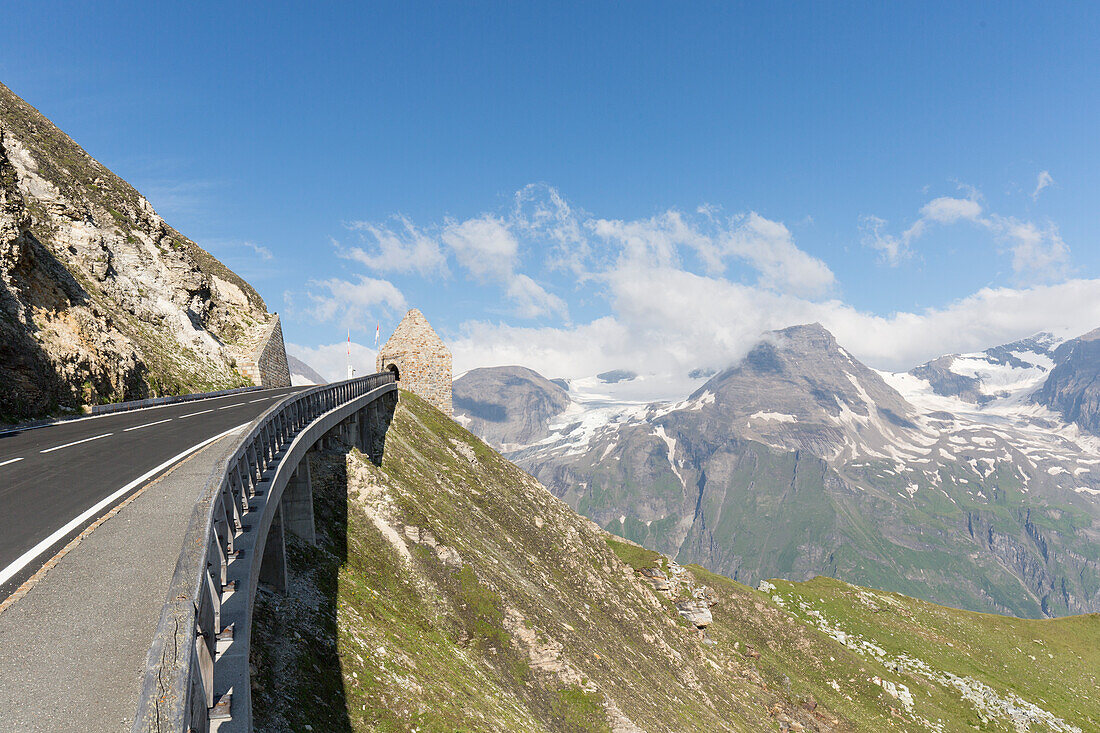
x: 451, y: 591
x: 100, y: 299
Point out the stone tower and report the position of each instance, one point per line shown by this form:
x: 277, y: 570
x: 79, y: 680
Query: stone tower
x: 421, y: 360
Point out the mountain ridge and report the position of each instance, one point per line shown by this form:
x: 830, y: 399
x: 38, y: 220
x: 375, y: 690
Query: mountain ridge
x: 451, y: 591
x: 841, y: 470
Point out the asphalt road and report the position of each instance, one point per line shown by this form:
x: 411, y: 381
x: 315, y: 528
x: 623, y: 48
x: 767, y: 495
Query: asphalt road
x: 51, y: 475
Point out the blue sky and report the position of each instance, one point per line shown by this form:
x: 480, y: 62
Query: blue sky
x: 579, y: 187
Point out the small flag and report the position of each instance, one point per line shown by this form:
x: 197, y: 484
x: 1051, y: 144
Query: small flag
x: 377, y: 332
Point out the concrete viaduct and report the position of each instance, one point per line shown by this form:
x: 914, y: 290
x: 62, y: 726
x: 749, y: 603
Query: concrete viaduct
x: 95, y: 644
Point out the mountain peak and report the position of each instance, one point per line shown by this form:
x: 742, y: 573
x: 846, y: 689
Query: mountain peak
x: 804, y: 336
x: 805, y: 328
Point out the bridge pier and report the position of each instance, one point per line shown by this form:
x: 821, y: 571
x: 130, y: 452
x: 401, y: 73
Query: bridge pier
x: 296, y: 505
x: 352, y: 431
x: 273, y: 565
x: 265, y: 492
x: 374, y: 422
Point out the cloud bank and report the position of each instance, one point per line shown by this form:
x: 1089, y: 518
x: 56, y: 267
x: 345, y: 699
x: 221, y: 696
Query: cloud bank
x: 682, y: 290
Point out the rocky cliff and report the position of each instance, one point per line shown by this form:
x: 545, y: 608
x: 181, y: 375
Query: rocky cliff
x: 1073, y: 387
x: 450, y: 591
x: 100, y: 299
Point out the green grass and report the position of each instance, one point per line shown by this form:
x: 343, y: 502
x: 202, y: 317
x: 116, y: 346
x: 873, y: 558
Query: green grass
x: 546, y: 625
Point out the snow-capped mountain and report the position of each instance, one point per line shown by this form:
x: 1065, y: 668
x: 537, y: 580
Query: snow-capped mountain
x: 962, y: 481
x: 1073, y: 387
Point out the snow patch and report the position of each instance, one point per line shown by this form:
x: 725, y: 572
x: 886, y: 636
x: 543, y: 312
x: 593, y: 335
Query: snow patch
x: 659, y: 431
x: 774, y: 416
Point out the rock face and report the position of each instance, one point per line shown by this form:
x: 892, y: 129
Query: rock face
x: 801, y: 461
x: 981, y: 378
x: 508, y: 405
x: 617, y: 375
x: 1073, y: 387
x: 420, y: 358
x: 100, y: 299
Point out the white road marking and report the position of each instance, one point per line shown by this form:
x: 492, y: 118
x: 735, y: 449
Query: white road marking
x: 136, y: 409
x: 60, y: 534
x: 196, y: 413
x: 75, y: 442
x: 259, y: 400
x: 10, y: 460
x: 236, y: 405
x: 147, y: 425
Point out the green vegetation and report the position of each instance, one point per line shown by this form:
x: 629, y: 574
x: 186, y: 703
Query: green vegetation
x: 450, y: 592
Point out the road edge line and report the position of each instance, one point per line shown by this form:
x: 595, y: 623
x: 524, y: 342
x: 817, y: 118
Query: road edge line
x: 27, y: 557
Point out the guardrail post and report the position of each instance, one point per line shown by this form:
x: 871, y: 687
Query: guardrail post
x: 297, y: 503
x: 241, y: 492
x: 252, y: 458
x: 265, y: 445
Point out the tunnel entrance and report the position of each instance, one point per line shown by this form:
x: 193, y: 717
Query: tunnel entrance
x: 396, y: 372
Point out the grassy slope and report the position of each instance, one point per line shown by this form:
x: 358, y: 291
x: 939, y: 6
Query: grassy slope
x: 545, y: 626
x: 883, y: 537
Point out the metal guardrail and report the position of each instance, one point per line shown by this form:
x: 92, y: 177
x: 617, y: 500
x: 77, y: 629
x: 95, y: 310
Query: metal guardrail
x: 166, y: 400
x: 179, y: 687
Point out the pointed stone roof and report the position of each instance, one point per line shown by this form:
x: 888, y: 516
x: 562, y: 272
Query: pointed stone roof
x: 414, y: 327
x: 420, y: 358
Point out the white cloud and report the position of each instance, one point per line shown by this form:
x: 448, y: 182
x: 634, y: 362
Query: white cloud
x: 943, y: 210
x: 948, y: 210
x: 406, y: 248
x: 1044, y: 180
x: 330, y: 360
x: 350, y: 304
x: 485, y: 246
x: 532, y: 300
x: 656, y: 240
x: 767, y: 246
x: 677, y: 296
x: 1038, y: 253
x: 892, y: 250
x: 263, y: 252
x: 541, y: 213
x: 667, y: 320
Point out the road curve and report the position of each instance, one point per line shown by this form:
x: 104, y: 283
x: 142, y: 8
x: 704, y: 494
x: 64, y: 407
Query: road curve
x: 53, y: 474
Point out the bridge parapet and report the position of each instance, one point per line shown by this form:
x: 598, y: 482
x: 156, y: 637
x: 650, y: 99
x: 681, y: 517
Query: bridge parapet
x: 197, y: 673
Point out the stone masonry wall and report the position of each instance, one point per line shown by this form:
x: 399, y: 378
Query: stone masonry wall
x: 422, y: 360
x: 267, y: 365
